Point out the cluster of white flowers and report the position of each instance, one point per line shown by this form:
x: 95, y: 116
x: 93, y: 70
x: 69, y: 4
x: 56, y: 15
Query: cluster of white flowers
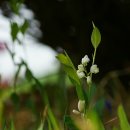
x: 81, y: 107
x: 82, y: 72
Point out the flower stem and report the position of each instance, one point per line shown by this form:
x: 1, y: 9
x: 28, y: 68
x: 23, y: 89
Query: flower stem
x: 94, y: 55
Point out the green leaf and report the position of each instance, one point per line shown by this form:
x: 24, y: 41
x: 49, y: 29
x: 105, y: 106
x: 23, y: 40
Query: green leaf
x: 28, y: 74
x: 69, y: 123
x: 49, y: 125
x: 15, y: 5
x: 24, y: 27
x: 4, y: 127
x: 95, y: 121
x: 41, y: 126
x: 123, y: 119
x: 71, y: 72
x: 12, y: 125
x: 53, y: 120
x: 95, y: 37
x: 17, y: 73
x: 63, y: 59
x: 14, y: 31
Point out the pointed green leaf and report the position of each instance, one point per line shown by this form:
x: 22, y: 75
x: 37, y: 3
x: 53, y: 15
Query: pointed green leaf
x: 14, y: 31
x: 123, y: 119
x: 12, y: 125
x: 15, y: 5
x: 24, y: 27
x: 53, y: 120
x: 4, y: 127
x: 63, y: 59
x: 28, y: 74
x: 41, y: 126
x: 71, y: 72
x: 49, y: 125
x: 95, y: 37
x: 17, y: 74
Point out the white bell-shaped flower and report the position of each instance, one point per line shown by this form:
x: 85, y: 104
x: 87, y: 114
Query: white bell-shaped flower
x: 80, y: 74
x: 81, y: 67
x: 85, y: 60
x: 76, y: 112
x: 81, y: 105
x: 94, y: 69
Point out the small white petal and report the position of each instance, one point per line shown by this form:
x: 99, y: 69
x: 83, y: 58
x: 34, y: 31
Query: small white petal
x: 81, y: 67
x: 85, y: 60
x: 80, y: 74
x: 76, y: 112
x: 81, y: 105
x: 94, y: 69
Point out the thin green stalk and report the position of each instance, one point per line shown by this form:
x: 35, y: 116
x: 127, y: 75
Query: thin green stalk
x: 94, y: 56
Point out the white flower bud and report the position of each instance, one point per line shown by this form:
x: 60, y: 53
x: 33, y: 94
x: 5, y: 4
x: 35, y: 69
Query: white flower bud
x: 94, y: 69
x: 81, y: 67
x: 76, y: 112
x: 80, y: 74
x: 89, y: 80
x: 81, y: 105
x: 85, y: 60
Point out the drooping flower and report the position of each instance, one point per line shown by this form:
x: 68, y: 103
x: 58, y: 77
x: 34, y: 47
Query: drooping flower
x: 81, y: 105
x: 80, y: 74
x: 76, y: 112
x: 80, y: 67
x: 85, y: 60
x: 94, y: 69
x: 89, y: 80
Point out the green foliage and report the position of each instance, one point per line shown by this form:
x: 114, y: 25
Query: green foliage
x: 17, y: 73
x: 28, y: 74
x: 14, y: 31
x: 53, y: 120
x: 3, y: 123
x: 123, y: 119
x: 24, y: 27
x: 12, y: 125
x: 15, y: 5
x: 49, y: 125
x: 69, y: 123
x: 41, y: 126
x: 95, y: 120
x: 95, y: 37
x: 71, y: 72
